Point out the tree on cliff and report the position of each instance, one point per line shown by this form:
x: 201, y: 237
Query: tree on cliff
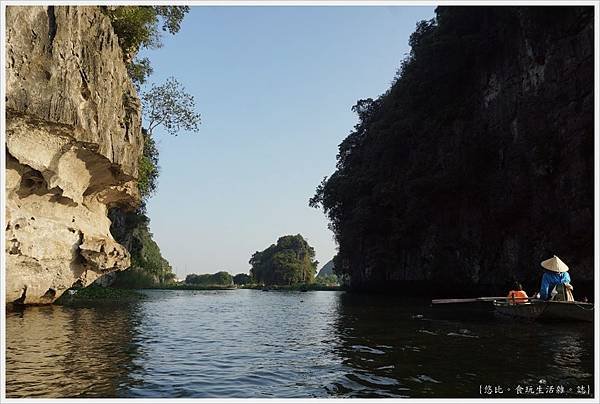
x: 138, y: 27
x: 170, y: 106
x: 288, y: 262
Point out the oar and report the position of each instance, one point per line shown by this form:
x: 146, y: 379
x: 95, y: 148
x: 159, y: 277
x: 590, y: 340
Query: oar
x: 471, y: 300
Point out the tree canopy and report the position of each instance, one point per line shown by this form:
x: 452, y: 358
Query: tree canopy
x: 288, y: 262
x: 138, y: 27
x: 242, y: 279
x: 169, y: 105
x: 221, y: 278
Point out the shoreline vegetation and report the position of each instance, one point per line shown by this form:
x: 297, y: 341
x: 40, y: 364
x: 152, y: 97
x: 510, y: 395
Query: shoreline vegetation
x: 297, y: 287
x: 100, y: 294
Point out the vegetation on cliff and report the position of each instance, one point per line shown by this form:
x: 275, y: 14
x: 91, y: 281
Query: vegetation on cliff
x: 167, y: 105
x: 148, y: 267
x: 288, y: 262
x: 138, y: 27
x: 475, y: 165
x: 148, y: 168
x: 170, y: 106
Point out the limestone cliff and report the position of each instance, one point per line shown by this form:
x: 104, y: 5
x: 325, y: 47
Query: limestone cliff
x: 478, y: 162
x: 73, y: 141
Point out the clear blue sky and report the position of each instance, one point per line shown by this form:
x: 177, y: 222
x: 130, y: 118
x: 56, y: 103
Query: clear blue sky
x: 274, y: 86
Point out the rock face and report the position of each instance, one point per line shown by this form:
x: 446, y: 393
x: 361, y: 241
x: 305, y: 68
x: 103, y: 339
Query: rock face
x: 326, y: 270
x: 73, y: 141
x: 478, y: 163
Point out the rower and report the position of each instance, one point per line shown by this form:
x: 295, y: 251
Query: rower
x: 517, y: 295
x: 555, y: 281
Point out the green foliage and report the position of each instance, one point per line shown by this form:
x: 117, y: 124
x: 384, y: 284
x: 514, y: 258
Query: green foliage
x: 146, y: 256
x: 171, y: 17
x: 300, y: 287
x: 326, y: 275
x: 138, y: 26
x: 221, y: 278
x: 136, y: 278
x: 288, y: 262
x: 169, y: 105
x: 148, y: 267
x: 139, y: 70
x: 148, y: 169
x: 187, y: 286
x: 327, y: 280
x: 135, y: 26
x: 242, y: 279
x: 97, y: 293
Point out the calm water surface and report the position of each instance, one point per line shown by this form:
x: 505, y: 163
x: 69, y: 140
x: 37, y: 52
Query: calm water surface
x: 247, y: 343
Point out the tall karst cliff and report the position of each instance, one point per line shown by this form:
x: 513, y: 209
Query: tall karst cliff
x: 73, y: 141
x: 478, y: 162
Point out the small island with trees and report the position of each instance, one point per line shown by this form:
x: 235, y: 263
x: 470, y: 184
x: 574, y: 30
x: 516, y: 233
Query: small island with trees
x: 287, y: 265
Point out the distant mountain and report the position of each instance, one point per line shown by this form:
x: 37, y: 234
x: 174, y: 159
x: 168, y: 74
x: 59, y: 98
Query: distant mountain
x: 326, y: 270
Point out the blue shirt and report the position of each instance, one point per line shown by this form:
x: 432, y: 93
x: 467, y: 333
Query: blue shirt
x: 550, y: 280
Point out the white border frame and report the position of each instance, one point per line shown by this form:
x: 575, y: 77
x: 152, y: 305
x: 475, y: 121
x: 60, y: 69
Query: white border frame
x: 373, y: 3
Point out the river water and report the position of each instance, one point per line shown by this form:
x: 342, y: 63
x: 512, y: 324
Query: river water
x: 249, y: 343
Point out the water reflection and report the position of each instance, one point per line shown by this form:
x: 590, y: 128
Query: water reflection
x: 66, y: 352
x: 250, y: 343
x: 394, y: 347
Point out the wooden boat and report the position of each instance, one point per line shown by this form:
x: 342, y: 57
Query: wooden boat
x: 533, y: 309
x: 543, y: 310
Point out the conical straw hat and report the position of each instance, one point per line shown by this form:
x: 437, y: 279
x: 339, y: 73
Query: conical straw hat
x: 555, y: 264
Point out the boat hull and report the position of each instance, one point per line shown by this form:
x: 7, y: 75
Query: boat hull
x: 547, y: 310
